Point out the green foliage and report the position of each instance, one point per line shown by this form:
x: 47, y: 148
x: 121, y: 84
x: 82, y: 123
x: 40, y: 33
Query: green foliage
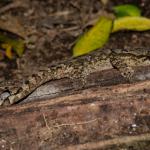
x: 126, y: 10
x: 95, y: 38
x: 128, y: 18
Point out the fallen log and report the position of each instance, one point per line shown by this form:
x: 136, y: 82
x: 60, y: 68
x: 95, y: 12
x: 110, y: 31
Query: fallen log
x: 108, y: 113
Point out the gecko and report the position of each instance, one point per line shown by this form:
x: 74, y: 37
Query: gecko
x: 79, y: 68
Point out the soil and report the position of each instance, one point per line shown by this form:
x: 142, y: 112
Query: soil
x: 51, y: 28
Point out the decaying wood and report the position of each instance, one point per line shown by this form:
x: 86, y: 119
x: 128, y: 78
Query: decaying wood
x: 103, y: 78
x: 109, y: 113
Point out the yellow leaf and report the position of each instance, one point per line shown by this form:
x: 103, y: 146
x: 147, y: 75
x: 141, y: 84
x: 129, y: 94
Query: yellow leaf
x: 131, y: 23
x: 95, y: 38
x: 16, y: 42
x: 8, y: 50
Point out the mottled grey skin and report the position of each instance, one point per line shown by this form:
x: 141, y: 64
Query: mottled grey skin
x: 80, y: 68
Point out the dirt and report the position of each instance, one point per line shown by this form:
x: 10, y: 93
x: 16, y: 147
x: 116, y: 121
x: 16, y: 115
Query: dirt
x: 51, y: 28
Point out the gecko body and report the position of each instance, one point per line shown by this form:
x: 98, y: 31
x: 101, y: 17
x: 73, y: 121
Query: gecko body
x: 79, y: 68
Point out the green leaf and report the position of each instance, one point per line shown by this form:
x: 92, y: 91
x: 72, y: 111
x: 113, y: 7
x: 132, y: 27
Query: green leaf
x: 131, y: 23
x: 18, y: 47
x: 127, y: 10
x: 95, y: 38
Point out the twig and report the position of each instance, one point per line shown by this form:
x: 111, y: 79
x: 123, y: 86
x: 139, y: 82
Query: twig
x: 11, y: 6
x: 70, y: 124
